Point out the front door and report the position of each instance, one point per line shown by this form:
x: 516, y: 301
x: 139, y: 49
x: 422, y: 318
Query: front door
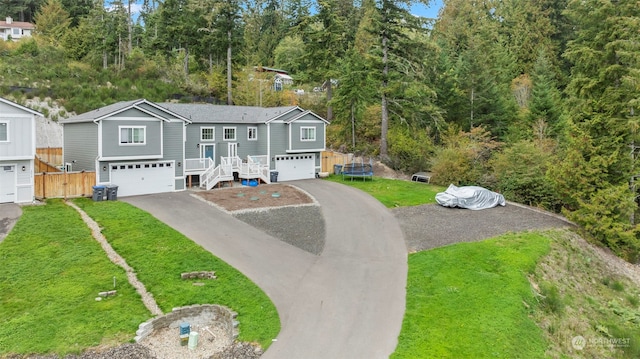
x: 7, y: 184
x: 232, y: 149
x: 208, y: 151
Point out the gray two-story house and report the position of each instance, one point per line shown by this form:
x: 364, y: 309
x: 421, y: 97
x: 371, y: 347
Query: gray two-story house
x: 136, y: 145
x: 17, y: 152
x: 202, y: 143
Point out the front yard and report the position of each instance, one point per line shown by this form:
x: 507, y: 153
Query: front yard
x: 52, y: 270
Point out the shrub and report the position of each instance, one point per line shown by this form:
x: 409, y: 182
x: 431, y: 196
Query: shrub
x: 520, y: 174
x: 463, y: 160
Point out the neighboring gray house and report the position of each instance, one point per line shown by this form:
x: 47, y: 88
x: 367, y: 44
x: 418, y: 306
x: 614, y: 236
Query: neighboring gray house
x: 219, y: 143
x: 17, y: 152
x: 135, y: 145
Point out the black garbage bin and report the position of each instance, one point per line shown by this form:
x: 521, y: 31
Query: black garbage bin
x: 98, y: 193
x: 112, y: 192
x: 274, y: 176
x: 337, y: 169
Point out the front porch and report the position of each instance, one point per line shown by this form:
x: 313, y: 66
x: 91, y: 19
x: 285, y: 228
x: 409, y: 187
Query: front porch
x: 252, y: 168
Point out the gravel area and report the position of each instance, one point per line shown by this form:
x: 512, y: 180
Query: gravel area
x: 301, y: 226
x: 430, y: 226
x: 164, y: 343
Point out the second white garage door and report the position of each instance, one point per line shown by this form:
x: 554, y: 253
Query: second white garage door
x: 143, y: 178
x: 295, y: 167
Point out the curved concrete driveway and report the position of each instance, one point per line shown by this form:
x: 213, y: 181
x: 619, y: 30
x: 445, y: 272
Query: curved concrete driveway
x: 346, y: 303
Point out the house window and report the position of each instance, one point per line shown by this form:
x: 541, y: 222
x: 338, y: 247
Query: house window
x: 132, y: 135
x: 229, y: 133
x: 207, y: 133
x: 252, y: 133
x: 4, y: 131
x: 16, y: 32
x: 307, y: 134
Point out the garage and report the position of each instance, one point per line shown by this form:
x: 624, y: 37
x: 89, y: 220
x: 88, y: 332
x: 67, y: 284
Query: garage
x: 295, y: 167
x: 143, y: 178
x: 7, y: 183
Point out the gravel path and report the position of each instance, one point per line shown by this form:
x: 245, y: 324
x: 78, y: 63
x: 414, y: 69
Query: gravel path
x: 147, y: 298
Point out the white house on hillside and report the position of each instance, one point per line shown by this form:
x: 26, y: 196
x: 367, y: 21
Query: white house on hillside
x: 15, y: 30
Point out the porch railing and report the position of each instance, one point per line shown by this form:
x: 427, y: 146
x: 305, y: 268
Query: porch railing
x: 197, y: 164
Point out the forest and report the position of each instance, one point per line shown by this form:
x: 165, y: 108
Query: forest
x: 536, y: 99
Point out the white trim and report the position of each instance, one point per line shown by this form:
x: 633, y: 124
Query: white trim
x: 17, y: 158
x: 11, y: 103
x: 124, y: 158
x: 202, y: 151
x: 302, y: 130
x: 7, y: 122
x: 305, y: 150
x: 224, y: 133
x: 213, y: 133
x: 255, y: 138
x: 132, y: 127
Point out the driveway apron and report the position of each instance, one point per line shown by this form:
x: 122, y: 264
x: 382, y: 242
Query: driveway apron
x: 346, y: 303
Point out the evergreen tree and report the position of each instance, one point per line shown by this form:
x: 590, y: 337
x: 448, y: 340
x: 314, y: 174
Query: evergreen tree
x: 602, y: 99
x: 53, y: 22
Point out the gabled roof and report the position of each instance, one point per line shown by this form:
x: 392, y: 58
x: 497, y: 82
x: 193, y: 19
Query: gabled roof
x: 208, y: 113
x: 303, y: 114
x: 16, y: 24
x: 11, y: 103
x: 116, y: 108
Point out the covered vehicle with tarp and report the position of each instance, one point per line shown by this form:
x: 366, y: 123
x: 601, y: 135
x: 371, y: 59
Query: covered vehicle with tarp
x: 470, y: 197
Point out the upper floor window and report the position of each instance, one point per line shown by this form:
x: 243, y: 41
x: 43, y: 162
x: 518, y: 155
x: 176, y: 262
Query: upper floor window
x: 4, y: 131
x: 229, y: 133
x: 207, y: 133
x: 132, y: 135
x: 307, y: 133
x: 252, y: 133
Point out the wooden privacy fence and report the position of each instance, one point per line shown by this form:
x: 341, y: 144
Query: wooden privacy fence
x: 42, y: 166
x: 51, y: 155
x: 64, y: 184
x: 331, y: 158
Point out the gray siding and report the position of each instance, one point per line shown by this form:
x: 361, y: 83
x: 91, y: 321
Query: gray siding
x: 279, y: 140
x: 245, y: 147
x: 132, y: 112
x: 111, y: 135
x: 6, y: 109
x: 19, y: 126
x: 81, y: 145
x: 173, y: 149
x: 297, y: 144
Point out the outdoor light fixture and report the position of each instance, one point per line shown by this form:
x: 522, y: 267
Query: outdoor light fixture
x: 198, y: 145
x: 104, y: 168
x: 24, y: 168
x: 179, y: 164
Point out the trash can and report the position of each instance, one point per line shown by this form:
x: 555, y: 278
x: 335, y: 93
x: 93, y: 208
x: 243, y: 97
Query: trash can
x: 112, y: 192
x: 337, y: 169
x: 98, y: 193
x: 274, y: 176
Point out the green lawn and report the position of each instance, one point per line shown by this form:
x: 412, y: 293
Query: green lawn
x: 160, y: 254
x: 473, y: 300
x: 51, y: 270
x: 393, y: 193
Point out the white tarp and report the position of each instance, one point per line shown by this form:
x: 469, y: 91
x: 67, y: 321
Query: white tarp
x: 470, y: 197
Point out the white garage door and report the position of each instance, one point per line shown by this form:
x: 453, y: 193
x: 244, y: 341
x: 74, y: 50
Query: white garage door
x: 143, y: 178
x: 295, y: 167
x: 7, y: 184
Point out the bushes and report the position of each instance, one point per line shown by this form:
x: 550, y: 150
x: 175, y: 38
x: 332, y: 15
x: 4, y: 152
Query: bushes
x: 519, y: 173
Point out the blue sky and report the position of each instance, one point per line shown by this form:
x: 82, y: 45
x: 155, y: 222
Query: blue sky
x: 431, y: 11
